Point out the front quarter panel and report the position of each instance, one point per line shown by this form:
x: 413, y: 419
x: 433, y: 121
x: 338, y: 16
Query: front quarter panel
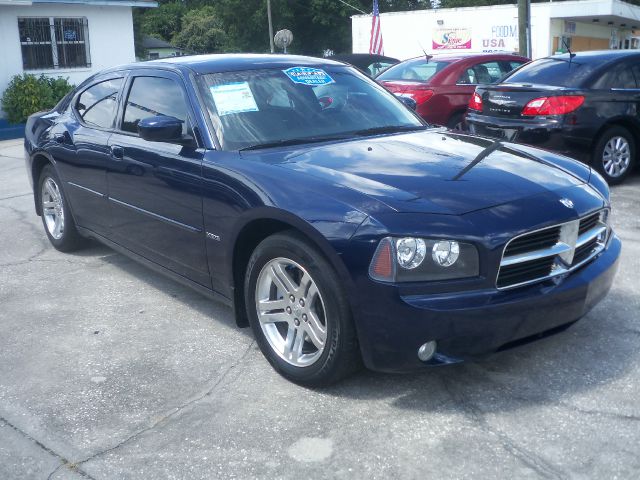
x: 238, y: 192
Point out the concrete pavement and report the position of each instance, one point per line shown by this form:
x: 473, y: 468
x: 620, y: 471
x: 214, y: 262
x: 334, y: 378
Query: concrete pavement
x: 109, y: 370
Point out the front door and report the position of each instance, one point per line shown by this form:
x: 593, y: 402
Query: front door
x: 155, y: 188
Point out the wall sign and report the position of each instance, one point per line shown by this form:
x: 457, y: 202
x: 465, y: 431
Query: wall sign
x: 451, y: 39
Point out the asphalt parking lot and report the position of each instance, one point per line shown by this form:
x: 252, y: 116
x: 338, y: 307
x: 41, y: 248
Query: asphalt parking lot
x: 109, y: 370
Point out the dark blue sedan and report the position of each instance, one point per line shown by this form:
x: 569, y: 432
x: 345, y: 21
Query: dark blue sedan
x: 340, y: 227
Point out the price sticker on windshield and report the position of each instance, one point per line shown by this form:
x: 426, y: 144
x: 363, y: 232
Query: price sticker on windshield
x: 308, y: 76
x: 233, y: 98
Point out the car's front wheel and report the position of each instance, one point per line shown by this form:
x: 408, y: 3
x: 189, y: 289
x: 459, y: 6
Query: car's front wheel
x: 615, y: 154
x: 299, y: 313
x: 56, y: 216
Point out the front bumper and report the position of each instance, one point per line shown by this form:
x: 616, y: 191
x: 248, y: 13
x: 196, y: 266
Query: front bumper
x: 392, y: 326
x: 548, y: 133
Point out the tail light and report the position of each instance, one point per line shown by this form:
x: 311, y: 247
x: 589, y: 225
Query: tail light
x: 419, y: 94
x: 560, y: 105
x: 475, y: 102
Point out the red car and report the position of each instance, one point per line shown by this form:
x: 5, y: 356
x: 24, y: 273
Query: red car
x: 442, y: 85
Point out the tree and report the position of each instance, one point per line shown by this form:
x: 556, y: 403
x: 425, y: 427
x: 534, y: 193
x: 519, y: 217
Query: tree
x: 165, y: 21
x: 201, y: 32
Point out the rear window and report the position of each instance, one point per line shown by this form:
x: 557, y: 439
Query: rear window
x: 558, y: 72
x: 413, y: 70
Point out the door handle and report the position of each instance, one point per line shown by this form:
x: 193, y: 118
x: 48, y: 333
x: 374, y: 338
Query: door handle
x: 117, y: 152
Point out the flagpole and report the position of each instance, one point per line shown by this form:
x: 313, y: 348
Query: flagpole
x: 270, y: 26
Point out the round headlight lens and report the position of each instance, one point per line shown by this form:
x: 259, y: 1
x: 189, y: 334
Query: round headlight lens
x: 410, y: 252
x: 445, y: 252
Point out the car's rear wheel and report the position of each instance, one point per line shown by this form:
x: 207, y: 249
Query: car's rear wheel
x: 299, y: 313
x: 56, y: 216
x: 615, y: 154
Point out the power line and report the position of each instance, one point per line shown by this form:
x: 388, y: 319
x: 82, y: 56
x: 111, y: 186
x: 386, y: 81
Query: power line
x: 349, y: 5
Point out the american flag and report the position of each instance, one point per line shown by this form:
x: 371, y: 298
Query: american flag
x: 375, y: 44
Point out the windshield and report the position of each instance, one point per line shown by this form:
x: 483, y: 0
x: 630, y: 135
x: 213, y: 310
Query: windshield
x: 270, y: 107
x: 418, y: 70
x: 557, y: 72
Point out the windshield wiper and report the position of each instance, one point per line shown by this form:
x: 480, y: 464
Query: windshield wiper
x: 295, y: 141
x: 388, y: 129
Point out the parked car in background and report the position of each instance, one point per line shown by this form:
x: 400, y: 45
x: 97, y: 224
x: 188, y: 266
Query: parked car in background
x: 339, y: 224
x: 442, y: 85
x: 585, y: 105
x: 370, y: 64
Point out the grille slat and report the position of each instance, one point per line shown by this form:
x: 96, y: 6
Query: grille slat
x: 517, y: 268
x: 583, y: 252
x: 524, y: 272
x: 536, y: 241
x: 588, y: 223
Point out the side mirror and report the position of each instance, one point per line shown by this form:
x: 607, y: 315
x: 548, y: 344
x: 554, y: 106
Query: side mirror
x: 408, y: 101
x: 160, y: 129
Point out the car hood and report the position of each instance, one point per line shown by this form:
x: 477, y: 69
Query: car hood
x: 436, y: 171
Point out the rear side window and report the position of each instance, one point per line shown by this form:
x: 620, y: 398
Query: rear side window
x: 415, y: 70
x: 377, y: 67
x: 98, y: 104
x: 512, y: 65
x: 481, y: 73
x: 558, y: 72
x: 153, y: 96
x: 620, y: 76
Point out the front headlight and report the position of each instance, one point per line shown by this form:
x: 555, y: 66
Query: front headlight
x: 410, y: 259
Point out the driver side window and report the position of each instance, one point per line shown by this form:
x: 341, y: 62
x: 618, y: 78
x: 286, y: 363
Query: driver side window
x: 153, y: 96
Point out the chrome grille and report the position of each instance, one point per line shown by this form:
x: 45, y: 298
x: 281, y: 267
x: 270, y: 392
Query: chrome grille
x: 552, y: 251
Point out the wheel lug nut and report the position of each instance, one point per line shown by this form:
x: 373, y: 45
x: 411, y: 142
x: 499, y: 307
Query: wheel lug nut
x: 302, y: 302
x: 296, y: 322
x: 289, y: 310
x: 292, y: 298
x: 304, y: 317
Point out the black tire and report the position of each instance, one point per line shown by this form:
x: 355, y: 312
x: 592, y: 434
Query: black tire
x: 456, y: 123
x: 598, y: 159
x: 340, y: 356
x: 68, y: 239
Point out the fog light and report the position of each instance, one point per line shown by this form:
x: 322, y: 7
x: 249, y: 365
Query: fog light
x: 427, y: 350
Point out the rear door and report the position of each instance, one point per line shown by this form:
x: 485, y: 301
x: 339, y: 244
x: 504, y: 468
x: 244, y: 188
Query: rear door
x: 155, y: 188
x: 617, y: 93
x: 84, y: 164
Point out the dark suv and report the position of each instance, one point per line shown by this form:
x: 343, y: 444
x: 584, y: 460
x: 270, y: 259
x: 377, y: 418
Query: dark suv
x: 583, y: 105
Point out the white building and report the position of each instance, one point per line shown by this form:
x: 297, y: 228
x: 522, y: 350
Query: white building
x: 65, y: 38
x: 583, y: 25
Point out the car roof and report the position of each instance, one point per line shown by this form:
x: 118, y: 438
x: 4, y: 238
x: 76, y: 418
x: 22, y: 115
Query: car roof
x: 597, y: 56
x: 215, y: 63
x: 454, y: 57
x: 351, y: 57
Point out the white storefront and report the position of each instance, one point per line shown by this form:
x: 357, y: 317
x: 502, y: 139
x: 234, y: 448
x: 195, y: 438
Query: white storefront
x: 71, y: 39
x: 583, y: 25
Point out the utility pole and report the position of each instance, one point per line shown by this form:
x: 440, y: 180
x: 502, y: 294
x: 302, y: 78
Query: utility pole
x: 524, y: 28
x: 270, y: 26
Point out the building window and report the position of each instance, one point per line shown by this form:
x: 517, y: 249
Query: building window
x: 51, y: 43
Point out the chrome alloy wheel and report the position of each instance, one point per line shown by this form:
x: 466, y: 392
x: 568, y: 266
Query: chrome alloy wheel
x: 52, y: 208
x: 291, y: 312
x: 616, y: 156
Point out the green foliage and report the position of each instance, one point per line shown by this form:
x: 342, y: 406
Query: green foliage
x: 59, y: 87
x: 27, y: 94
x: 201, y: 32
x: 165, y: 21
